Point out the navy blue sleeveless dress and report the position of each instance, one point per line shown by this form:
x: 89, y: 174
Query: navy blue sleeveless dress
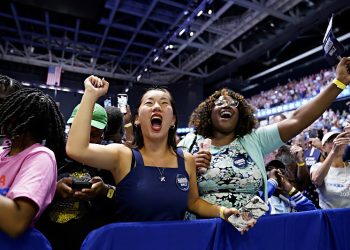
x: 143, y: 196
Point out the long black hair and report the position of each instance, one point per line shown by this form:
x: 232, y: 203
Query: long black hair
x: 138, y: 138
x: 30, y: 111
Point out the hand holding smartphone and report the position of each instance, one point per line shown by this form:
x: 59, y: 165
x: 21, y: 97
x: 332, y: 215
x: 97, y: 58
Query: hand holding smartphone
x: 79, y: 185
x: 204, y: 146
x: 255, y: 208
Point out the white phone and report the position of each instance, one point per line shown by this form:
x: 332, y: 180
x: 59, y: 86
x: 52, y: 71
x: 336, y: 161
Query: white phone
x: 122, y: 102
x: 255, y: 208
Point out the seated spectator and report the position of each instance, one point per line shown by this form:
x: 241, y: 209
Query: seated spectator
x: 35, y: 127
x: 76, y: 211
x: 330, y: 176
x: 285, y: 197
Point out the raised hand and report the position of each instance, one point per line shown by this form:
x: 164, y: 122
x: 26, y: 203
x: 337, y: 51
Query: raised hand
x: 343, y: 70
x: 315, y: 142
x: 297, y: 152
x: 340, y: 142
x: 95, y: 85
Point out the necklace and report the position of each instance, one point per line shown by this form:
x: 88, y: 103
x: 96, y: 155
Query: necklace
x: 161, y: 177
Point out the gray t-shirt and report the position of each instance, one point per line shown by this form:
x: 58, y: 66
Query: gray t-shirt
x: 335, y: 189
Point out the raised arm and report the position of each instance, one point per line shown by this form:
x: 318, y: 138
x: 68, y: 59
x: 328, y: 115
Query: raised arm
x: 308, y: 113
x: 319, y: 174
x: 78, y: 145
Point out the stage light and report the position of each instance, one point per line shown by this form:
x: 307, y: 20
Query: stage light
x: 182, y: 31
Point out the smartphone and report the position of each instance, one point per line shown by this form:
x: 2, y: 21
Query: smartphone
x: 205, y: 145
x: 79, y: 185
x: 107, y: 102
x: 122, y: 102
x: 254, y: 209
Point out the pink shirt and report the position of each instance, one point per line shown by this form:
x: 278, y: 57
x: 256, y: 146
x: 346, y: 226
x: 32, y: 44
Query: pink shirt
x: 31, y: 173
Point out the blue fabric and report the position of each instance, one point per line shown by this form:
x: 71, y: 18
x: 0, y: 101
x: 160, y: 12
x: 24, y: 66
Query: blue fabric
x: 142, y: 196
x: 312, y: 230
x: 31, y: 239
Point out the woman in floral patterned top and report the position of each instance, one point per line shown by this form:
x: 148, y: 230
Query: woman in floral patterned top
x: 236, y: 170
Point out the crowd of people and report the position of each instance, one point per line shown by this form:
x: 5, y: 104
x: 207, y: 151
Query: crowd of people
x: 293, y: 90
x: 95, y: 175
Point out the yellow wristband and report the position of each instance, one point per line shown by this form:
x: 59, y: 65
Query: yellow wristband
x: 222, y: 216
x: 301, y: 164
x: 339, y: 84
x: 128, y: 125
x: 291, y: 191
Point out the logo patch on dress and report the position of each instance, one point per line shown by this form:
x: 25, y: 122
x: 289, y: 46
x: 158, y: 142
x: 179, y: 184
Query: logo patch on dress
x: 182, y: 182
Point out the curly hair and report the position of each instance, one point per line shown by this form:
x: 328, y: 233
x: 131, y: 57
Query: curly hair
x: 30, y: 111
x: 138, y: 138
x: 201, y: 117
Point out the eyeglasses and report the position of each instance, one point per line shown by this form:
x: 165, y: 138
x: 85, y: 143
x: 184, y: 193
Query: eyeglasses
x: 222, y: 102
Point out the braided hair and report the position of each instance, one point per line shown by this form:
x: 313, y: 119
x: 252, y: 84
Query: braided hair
x: 30, y: 111
x: 8, y: 86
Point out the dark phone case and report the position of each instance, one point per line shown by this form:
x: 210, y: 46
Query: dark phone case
x: 79, y: 185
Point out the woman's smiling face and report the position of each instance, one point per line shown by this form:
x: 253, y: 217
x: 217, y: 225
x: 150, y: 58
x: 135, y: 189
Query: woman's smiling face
x: 224, y: 114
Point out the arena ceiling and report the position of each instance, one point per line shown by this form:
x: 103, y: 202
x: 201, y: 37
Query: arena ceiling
x: 138, y: 40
